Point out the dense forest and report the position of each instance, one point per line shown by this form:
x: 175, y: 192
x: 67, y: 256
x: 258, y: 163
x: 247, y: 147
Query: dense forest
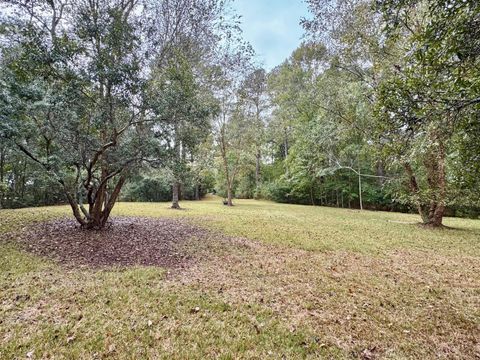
x: 148, y: 100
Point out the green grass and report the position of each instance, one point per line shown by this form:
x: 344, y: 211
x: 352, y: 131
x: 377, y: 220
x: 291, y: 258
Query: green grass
x: 15, y: 220
x: 127, y: 314
x: 320, y: 228
x: 319, y: 283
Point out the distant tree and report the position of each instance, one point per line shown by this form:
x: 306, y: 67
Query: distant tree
x: 253, y: 94
x: 230, y: 130
x: 184, y: 110
x: 181, y: 84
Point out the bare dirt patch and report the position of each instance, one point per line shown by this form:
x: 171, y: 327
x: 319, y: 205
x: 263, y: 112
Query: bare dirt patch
x: 124, y: 242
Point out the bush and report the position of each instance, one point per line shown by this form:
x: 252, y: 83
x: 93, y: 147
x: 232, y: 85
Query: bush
x: 149, y: 189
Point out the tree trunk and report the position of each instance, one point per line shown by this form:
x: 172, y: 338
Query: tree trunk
x: 257, y: 172
x: 360, y: 189
x: 24, y: 180
x: 197, y: 191
x: 380, y: 173
x: 415, y: 190
x: 438, y: 186
x: 100, y: 208
x: 112, y: 200
x: 178, y: 159
x: 2, y: 165
x: 75, y: 209
x: 229, y: 196
x: 175, y: 188
x: 431, y: 213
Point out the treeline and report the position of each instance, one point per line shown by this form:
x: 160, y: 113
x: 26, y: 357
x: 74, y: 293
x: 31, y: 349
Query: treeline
x: 155, y: 100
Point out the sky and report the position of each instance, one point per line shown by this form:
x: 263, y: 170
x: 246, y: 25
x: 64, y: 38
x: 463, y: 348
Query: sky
x: 272, y: 27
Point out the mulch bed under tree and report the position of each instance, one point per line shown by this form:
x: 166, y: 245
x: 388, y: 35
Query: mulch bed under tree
x: 123, y: 242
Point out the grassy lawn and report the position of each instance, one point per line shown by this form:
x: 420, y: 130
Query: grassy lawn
x: 289, y: 281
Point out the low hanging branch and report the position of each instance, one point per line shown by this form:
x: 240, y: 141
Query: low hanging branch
x: 340, y: 167
x: 359, y: 174
x: 100, y: 203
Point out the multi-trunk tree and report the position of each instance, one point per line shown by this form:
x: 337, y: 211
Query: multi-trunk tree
x: 74, y: 94
x: 74, y: 97
x: 229, y: 130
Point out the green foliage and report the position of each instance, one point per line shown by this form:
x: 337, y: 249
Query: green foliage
x: 156, y: 186
x: 428, y: 101
x: 149, y: 189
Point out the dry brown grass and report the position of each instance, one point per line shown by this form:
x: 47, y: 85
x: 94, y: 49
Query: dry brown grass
x: 407, y: 304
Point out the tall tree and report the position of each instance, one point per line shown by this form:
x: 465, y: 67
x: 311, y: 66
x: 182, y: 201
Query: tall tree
x: 184, y: 110
x: 429, y: 99
x: 73, y: 75
x: 253, y: 93
x: 233, y: 65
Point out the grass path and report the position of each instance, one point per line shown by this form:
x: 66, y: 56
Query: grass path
x: 322, y: 228
x: 293, y: 282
